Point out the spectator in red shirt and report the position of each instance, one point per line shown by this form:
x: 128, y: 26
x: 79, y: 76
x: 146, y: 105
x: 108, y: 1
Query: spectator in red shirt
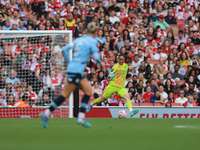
x: 48, y: 25
x: 190, y: 102
x: 104, y: 53
x: 30, y: 47
x: 16, y: 49
x: 148, y: 94
x: 176, y: 91
x: 44, y: 47
x: 133, y: 4
x: 75, y: 13
x: 10, y: 100
x: 127, y: 19
x: 171, y: 98
x: 169, y: 76
x: 19, y: 93
x: 166, y: 48
x: 191, y: 48
x: 32, y: 95
x: 105, y: 62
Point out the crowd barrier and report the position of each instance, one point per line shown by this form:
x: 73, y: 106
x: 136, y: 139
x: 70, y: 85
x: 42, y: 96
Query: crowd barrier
x: 105, y: 112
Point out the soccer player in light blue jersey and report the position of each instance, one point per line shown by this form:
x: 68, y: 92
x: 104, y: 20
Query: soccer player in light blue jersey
x: 83, y: 47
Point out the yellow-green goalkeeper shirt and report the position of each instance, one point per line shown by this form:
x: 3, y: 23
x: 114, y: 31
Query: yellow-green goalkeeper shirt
x: 120, y: 77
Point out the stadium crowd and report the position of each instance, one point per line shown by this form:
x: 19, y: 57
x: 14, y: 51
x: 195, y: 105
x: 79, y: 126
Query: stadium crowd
x: 160, y: 41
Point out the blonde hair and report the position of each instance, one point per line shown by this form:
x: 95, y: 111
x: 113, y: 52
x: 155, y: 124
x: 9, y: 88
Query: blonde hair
x: 158, y: 72
x: 190, y: 96
x: 30, y: 16
x: 91, y: 28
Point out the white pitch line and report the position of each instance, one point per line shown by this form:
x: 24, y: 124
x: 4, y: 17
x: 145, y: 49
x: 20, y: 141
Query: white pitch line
x: 188, y: 126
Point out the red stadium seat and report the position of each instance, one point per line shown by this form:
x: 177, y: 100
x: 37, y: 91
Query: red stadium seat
x: 185, y: 67
x: 167, y: 30
x: 97, y: 14
x: 135, y: 104
x: 181, y: 26
x: 146, y: 104
x: 159, y: 104
x: 173, y: 25
x: 155, y: 62
x: 176, y: 104
x: 147, y: 100
x: 182, y: 82
x: 180, y: 22
x: 146, y: 14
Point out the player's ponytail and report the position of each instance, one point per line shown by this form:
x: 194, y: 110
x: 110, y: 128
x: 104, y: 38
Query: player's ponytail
x: 91, y: 28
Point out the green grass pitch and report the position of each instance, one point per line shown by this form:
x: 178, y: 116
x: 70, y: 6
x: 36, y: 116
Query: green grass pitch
x: 106, y: 134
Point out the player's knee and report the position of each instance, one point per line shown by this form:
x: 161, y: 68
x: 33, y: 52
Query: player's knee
x: 126, y: 97
x: 123, y: 100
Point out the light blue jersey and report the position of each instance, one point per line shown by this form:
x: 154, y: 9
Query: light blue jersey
x: 83, y: 48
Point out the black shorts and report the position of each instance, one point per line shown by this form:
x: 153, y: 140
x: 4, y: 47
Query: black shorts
x: 74, y: 78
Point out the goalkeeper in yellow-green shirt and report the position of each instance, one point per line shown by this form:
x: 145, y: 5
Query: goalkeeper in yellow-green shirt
x: 117, y: 85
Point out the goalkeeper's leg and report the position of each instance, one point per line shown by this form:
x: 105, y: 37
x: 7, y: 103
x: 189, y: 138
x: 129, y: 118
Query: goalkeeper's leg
x: 99, y: 100
x: 125, y: 97
x: 108, y: 92
x: 96, y: 101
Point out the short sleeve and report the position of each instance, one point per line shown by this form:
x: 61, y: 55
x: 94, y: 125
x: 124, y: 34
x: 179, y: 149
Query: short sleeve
x: 114, y: 69
x: 126, y: 66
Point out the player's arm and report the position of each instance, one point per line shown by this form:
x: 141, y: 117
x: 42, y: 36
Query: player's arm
x: 95, y: 53
x: 97, y: 58
x: 112, y: 72
x: 131, y: 67
x: 65, y: 51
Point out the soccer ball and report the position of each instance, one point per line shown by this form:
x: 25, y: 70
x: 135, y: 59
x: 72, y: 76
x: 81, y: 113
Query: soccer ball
x: 122, y: 114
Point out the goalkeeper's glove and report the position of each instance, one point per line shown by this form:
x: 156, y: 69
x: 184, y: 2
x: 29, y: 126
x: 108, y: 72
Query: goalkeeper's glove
x: 111, y: 75
x: 137, y: 65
